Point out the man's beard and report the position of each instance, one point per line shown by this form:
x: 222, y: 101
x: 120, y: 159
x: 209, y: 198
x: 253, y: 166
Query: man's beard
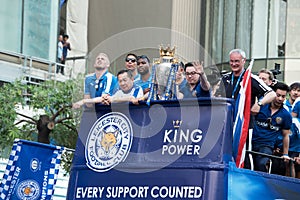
x: 143, y: 72
x: 276, y: 104
x: 99, y: 68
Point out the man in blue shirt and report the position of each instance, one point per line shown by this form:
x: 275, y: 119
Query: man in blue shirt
x: 293, y: 95
x: 294, y: 146
x: 271, y: 121
x: 101, y: 83
x: 143, y: 68
x: 197, y: 84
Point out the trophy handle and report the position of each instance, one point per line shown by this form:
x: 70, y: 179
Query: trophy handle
x: 152, y: 92
x: 169, y: 94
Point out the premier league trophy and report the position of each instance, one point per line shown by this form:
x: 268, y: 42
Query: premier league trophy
x: 163, y: 86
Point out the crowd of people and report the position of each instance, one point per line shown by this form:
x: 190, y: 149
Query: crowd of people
x: 275, y: 107
x: 132, y: 84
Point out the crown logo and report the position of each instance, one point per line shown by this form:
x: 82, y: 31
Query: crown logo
x: 177, y: 123
x: 167, y: 52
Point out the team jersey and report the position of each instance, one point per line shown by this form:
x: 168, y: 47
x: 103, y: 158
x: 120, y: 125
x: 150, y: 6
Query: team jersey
x: 294, y: 133
x: 144, y: 84
x: 105, y: 85
x: 296, y: 107
x: 268, y: 127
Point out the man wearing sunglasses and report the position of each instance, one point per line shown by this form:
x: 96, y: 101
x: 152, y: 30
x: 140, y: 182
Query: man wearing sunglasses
x: 271, y: 121
x: 131, y: 64
x: 197, y: 84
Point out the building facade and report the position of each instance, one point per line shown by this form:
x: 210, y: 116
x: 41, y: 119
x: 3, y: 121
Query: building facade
x: 200, y: 29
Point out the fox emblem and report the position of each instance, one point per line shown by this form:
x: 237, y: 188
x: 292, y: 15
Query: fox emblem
x: 108, y: 141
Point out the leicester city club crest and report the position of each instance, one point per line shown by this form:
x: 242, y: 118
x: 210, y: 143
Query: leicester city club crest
x: 109, y: 142
x: 28, y: 189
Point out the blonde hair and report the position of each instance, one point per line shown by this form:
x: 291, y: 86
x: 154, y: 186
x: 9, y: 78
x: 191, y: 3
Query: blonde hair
x: 266, y: 71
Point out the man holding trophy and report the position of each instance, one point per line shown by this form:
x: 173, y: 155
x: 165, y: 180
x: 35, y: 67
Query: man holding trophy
x: 163, y: 85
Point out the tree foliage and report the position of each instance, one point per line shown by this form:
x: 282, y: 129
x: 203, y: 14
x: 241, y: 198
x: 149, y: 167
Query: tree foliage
x: 52, y: 119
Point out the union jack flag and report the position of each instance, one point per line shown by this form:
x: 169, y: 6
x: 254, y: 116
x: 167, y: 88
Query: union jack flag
x: 242, y: 118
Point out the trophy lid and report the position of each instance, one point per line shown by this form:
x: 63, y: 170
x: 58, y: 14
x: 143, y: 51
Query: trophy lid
x: 166, y: 53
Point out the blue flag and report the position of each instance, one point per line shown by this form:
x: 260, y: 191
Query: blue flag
x: 31, y: 172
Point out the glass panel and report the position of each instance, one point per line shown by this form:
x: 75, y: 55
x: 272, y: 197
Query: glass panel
x: 10, y: 25
x: 217, y: 30
x: 277, y: 28
x: 293, y: 30
x: 40, y: 28
x: 229, y: 28
x: 243, y: 32
x: 259, y: 29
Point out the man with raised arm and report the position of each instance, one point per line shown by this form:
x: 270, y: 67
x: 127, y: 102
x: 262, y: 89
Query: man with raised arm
x: 197, y: 84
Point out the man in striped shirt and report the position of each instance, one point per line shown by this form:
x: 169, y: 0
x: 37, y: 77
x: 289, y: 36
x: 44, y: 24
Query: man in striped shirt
x: 99, y: 84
